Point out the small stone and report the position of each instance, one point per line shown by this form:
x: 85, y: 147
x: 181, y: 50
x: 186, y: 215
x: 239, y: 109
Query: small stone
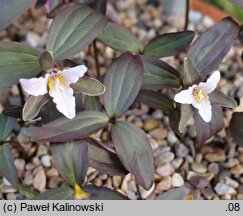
x: 161, y: 149
x: 8, y: 189
x: 11, y: 196
x: 240, y: 197
x: 33, y: 39
x: 176, y: 163
x: 232, y: 162
x: 28, y: 178
x: 54, y: 182
x: 163, y: 185
x: 214, y: 168
x: 102, y: 176
x: 181, y: 150
x: 198, y: 167
x: 117, y: 180
x: 237, y: 170
x: 29, y: 166
x: 146, y: 193
x: 219, y: 156
x: 159, y: 133
x: 230, y: 182
x: 150, y: 124
x: 36, y: 161
x: 52, y: 172
x: 98, y: 182
x: 42, y: 150
x: 46, y: 161
x: 165, y: 170
x: 223, y: 189
x: 164, y: 158
x: 171, y: 138
x: 208, y: 193
x: 19, y: 163
x: 39, y: 182
x: 199, y: 182
x: 158, y: 114
x: 177, y: 180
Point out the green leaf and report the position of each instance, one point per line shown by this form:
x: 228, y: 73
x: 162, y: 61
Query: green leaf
x: 186, y: 114
x: 169, y: 44
x: 7, y: 167
x: 13, y: 111
x: 11, y: 10
x: 102, y: 193
x: 174, y: 119
x: 27, y: 191
x: 174, y: 194
x: 219, y: 98
x: 239, y: 3
x: 236, y: 128
x: 33, y: 105
x: 63, y: 129
x: 103, y: 159
x: 92, y: 104
x: 158, y: 74
x: 88, y: 86
x: 134, y: 151
x: 46, y: 60
x: 209, y: 49
x: 6, y: 126
x: 17, y: 61
x: 119, y: 38
x: 61, y: 193
x: 155, y: 100
x: 207, y: 130
x: 71, y: 160
x: 73, y: 29
x: 191, y: 75
x: 123, y: 82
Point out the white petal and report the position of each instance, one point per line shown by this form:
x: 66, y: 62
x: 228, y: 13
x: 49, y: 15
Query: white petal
x: 184, y: 96
x: 72, y: 75
x: 35, y: 86
x: 204, y: 109
x: 211, y: 83
x: 64, y: 100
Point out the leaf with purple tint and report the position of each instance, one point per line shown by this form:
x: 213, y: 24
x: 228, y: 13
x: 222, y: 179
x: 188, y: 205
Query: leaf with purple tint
x: 208, y: 51
x: 63, y: 129
x: 158, y: 74
x: 134, y: 151
x: 174, y: 194
x: 61, y: 193
x: 169, y: 44
x: 92, y: 104
x: 186, y: 114
x: 207, y: 130
x: 123, y: 81
x: 219, y: 98
x: 236, y: 128
x: 6, y: 126
x: 71, y: 160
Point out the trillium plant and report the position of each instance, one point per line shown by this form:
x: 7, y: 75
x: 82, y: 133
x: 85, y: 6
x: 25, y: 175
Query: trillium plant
x: 71, y: 107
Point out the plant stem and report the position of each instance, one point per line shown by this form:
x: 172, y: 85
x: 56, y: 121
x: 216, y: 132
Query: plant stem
x: 97, y: 65
x: 187, y: 14
x: 21, y: 94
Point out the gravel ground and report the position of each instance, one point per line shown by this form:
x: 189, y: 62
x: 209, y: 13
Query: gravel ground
x: 212, y: 171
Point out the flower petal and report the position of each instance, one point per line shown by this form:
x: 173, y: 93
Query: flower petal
x: 35, y: 86
x: 184, y: 96
x: 211, y: 83
x: 204, y: 109
x: 64, y: 99
x: 72, y: 75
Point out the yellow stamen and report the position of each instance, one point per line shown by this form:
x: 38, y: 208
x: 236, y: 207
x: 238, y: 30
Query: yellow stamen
x: 50, y: 82
x: 199, y: 94
x: 58, y: 79
x: 79, y: 193
x: 61, y: 79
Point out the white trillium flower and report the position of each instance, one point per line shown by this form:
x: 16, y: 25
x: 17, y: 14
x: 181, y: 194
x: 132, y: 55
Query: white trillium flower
x: 58, y: 83
x: 197, y: 96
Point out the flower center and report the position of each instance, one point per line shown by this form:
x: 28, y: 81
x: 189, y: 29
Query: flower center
x: 199, y: 94
x: 56, y: 79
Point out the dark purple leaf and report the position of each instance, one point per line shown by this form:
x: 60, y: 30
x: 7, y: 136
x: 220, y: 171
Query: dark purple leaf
x: 158, y: 74
x: 6, y: 126
x: 61, y: 193
x: 104, y: 160
x: 73, y: 29
x: 174, y: 119
x: 207, y: 130
x: 186, y: 114
x: 7, y: 167
x: 123, y: 81
x: 63, y: 129
x: 11, y: 10
x: 46, y: 60
x: 155, y: 100
x: 99, y: 6
x: 134, y: 151
x: 236, y: 127
x: 169, y: 44
x: 219, y: 98
x: 209, y: 49
x: 13, y: 111
x: 92, y: 104
x: 174, y: 194
x: 103, y: 193
x: 71, y: 160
